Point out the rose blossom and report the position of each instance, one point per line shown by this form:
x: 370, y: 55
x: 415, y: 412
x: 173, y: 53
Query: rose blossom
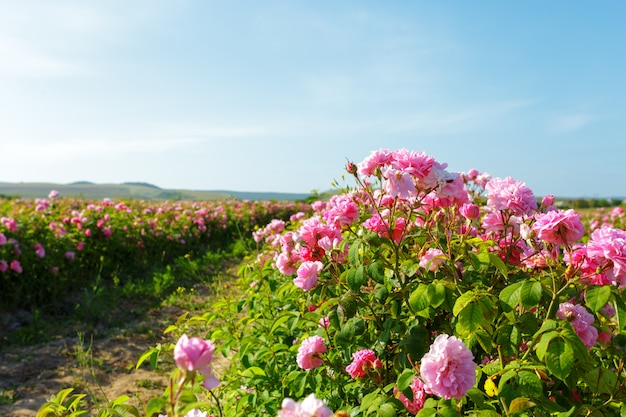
x: 559, y: 227
x: 308, y: 273
x: 362, y: 361
x: 309, y: 407
x: 432, y: 259
x: 16, y: 266
x: 581, y: 321
x: 309, y: 352
x: 195, y: 354
x: 510, y: 194
x: 448, y: 368
x: 607, y: 248
x: 419, y: 396
x: 470, y: 211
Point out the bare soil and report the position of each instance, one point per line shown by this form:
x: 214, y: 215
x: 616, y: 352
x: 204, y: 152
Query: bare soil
x: 103, y: 368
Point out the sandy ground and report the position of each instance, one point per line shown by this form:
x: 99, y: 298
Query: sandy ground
x: 30, y: 375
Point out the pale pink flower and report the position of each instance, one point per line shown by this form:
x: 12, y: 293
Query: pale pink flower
x: 510, y: 194
x: 376, y: 160
x: 470, y: 211
x: 39, y: 250
x: 309, y: 407
x: 53, y: 194
x: 448, y: 368
x: 581, y: 321
x: 559, y: 227
x: 310, y: 351
x: 16, y: 266
x: 342, y: 211
x: 9, y: 223
x: 308, y: 273
x: 450, y: 193
x: 607, y: 248
x: 471, y: 174
x: 324, y: 322
x: 418, y: 164
x: 616, y: 212
x: 419, y: 396
x: 286, y: 264
x: 195, y: 354
x: 432, y: 259
x: 363, y: 361
x: 398, y: 183
x: 547, y: 201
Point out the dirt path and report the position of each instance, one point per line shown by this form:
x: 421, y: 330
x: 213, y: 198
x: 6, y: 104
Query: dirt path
x: 30, y: 375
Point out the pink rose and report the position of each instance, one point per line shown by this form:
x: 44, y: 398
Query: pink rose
x: 510, y: 194
x: 309, y: 352
x: 581, y: 321
x: 362, y: 362
x: 16, y: 266
x: 195, y: 354
x: 559, y: 227
x: 308, y: 272
x: 309, y: 407
x: 448, y: 368
x: 470, y: 211
x: 432, y: 259
x: 419, y: 397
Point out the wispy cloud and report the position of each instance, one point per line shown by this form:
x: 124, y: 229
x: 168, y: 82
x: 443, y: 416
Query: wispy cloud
x: 571, y: 122
x: 458, y: 120
x: 150, y: 144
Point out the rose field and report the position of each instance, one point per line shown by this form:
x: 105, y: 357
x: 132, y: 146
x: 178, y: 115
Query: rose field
x: 415, y: 290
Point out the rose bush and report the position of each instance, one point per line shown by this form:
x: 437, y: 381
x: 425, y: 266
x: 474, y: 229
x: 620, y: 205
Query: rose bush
x: 433, y: 293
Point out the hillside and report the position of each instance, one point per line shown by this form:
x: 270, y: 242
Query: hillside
x: 134, y: 190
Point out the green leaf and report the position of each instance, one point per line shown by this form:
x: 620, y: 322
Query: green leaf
x: 510, y: 296
x: 601, y: 381
x: 530, y: 384
x: 499, y: 264
x: 155, y: 406
x: 253, y: 371
x: 544, y: 342
x: 471, y: 318
x: 353, y: 252
x: 280, y: 320
x: 405, y: 379
x: 596, y: 297
x: 436, y: 294
x: 520, y: 404
x: 376, y: 271
x: 387, y: 410
x: 356, y: 278
x: 530, y: 293
x: 418, y: 300
x: 559, y: 358
x: 462, y: 301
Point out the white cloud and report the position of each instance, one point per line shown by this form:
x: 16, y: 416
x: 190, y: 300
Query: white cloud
x: 151, y: 143
x: 457, y: 121
x: 571, y: 122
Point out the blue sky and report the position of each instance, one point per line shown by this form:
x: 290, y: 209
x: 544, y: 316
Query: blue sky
x: 278, y: 95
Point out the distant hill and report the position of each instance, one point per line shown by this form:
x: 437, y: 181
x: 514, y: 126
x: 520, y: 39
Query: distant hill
x: 135, y: 190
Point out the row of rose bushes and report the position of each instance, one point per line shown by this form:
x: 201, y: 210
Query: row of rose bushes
x: 419, y: 291
x: 427, y: 292
x: 52, y: 245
